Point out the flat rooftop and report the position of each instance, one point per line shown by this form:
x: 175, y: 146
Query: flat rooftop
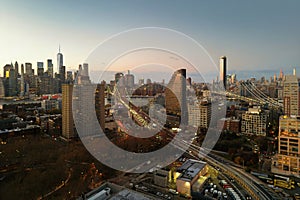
x: 190, y: 168
x: 127, y: 194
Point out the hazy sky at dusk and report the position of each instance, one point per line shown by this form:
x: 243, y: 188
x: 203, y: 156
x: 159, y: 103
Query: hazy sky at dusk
x: 252, y: 34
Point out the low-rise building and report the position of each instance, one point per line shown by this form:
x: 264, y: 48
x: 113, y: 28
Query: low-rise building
x: 192, y: 173
x: 229, y: 124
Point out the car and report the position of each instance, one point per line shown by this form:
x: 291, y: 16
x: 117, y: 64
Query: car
x: 173, y: 191
x: 159, y: 194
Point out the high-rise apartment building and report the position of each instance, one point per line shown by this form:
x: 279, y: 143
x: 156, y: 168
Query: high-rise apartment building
x: 291, y: 98
x: 67, y: 116
x: 287, y: 161
x: 100, y: 104
x: 254, y: 122
x: 199, y: 114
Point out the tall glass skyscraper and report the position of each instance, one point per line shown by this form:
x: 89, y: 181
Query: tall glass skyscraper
x: 50, y: 68
x: 60, y: 61
x: 176, y: 103
x: 223, y: 69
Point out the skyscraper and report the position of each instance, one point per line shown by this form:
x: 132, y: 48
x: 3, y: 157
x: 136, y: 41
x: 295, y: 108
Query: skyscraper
x: 28, y: 69
x: 62, y: 74
x: 82, y: 76
x: 291, y: 92
x: 129, y: 80
x: 40, y: 68
x: 85, y: 71
x: 22, y: 82
x: 2, y: 89
x: 60, y: 61
x: 12, y: 83
x: 50, y: 67
x: 100, y: 104
x: 175, y: 93
x: 287, y: 161
x: 119, y: 79
x: 69, y: 77
x: 223, y: 70
x: 6, y: 70
x: 22, y: 69
x: 67, y: 116
x: 17, y: 68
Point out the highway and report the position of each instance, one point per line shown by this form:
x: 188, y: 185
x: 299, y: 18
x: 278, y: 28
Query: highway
x: 250, y: 183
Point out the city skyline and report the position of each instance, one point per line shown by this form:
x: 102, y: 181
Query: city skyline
x: 149, y: 100
x: 249, y: 41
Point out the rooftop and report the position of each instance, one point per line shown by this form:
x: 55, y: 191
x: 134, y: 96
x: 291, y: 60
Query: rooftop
x: 190, y: 169
x: 129, y: 194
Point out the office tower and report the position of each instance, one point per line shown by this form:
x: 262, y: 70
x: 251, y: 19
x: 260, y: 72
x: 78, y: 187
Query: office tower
x: 22, y: 69
x: 291, y: 95
x: 287, y: 161
x: 85, y: 71
x: 69, y: 77
x: 22, y: 85
x: 2, y: 89
x: 82, y: 76
x: 119, y: 79
x: 294, y: 72
x: 129, y: 80
x: 50, y: 68
x: 175, y: 93
x: 254, y: 122
x: 67, y: 116
x: 46, y: 85
x: 60, y: 61
x: 62, y: 74
x: 100, y: 104
x: 223, y: 71
x: 12, y: 83
x: 22, y: 82
x: 40, y: 68
x: 6, y: 70
x: 28, y: 69
x: 17, y: 68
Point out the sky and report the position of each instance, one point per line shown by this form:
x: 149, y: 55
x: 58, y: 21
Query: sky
x: 252, y: 34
